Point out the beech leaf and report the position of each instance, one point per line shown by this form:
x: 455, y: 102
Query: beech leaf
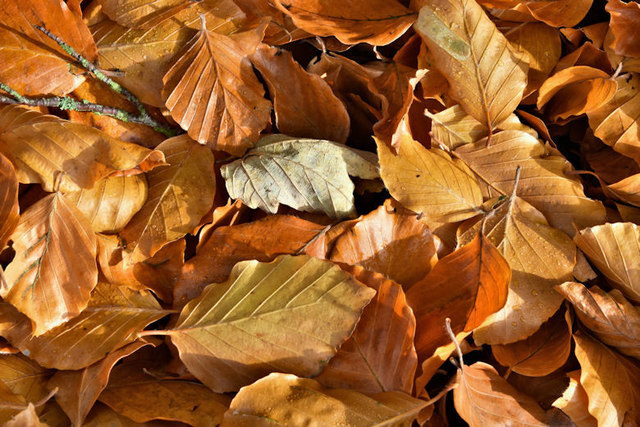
x: 9, y: 209
x: 307, y: 174
x: 289, y: 315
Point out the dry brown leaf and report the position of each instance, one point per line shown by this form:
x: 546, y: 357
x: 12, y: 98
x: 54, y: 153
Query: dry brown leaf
x: 9, y: 209
x: 391, y: 241
x: 54, y: 270
x: 180, y: 194
x: 486, y: 75
x: 575, y: 403
x: 144, y: 55
x: 289, y: 400
x: 611, y: 382
x: 212, y: 92
x: 113, y: 318
x: 543, y: 352
x: 281, y: 29
x: 304, y: 103
x: 112, y: 201
x: 625, y: 18
x: 540, y: 257
x: 24, y: 377
x: 79, y: 390
x: 68, y: 156
x: 613, y: 319
x: 562, y: 13
x: 261, y: 240
x: 26, y: 418
x: 616, y: 122
x: 467, y: 286
x: 379, y: 356
x: 484, y: 398
x: 544, y: 182
x: 289, y: 315
x: 626, y: 190
x: 429, y: 181
x: 377, y: 22
x: 614, y: 248
x: 142, y: 398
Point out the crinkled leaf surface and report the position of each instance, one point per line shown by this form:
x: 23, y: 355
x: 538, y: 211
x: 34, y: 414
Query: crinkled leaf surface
x: 307, y: 174
x: 289, y: 315
x: 9, y: 209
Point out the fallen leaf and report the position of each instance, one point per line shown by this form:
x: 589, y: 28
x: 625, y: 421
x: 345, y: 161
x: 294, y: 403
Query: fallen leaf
x: 111, y: 203
x: 9, y: 209
x: 624, y: 19
x: 179, y: 195
x: 542, y: 353
x: 613, y: 319
x: 289, y: 400
x: 67, y: 156
x: 281, y: 29
x: 212, y: 92
x: 24, y: 377
x: 379, y: 356
x: 310, y: 175
x: 241, y: 330
x: 113, y: 318
x: 540, y: 257
x: 377, y: 22
x: 626, y: 190
x: 614, y: 248
x: 544, y: 182
x: 26, y: 418
x: 304, y: 103
x: 54, y: 271
x: 391, y: 241
x: 467, y: 286
x: 429, y: 181
x: 574, y: 402
x: 612, y: 398
x: 485, y: 398
x: 486, y: 75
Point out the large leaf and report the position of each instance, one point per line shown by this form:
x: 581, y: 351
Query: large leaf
x: 613, y: 319
x: 304, y: 103
x: 289, y: 400
x: 9, y: 209
x: 429, y: 181
x: 212, y: 92
x: 307, y: 174
x: 379, y: 356
x: 289, y: 315
x: 486, y: 75
x: 543, y: 183
x: 59, y: 154
x: 113, y: 318
x: 390, y: 240
x: 614, y: 248
x: 377, y: 22
x: 179, y: 196
x: 484, y: 398
x: 54, y: 270
x: 112, y: 201
x: 612, y: 398
x: 144, y: 55
x: 540, y: 257
x: 467, y: 286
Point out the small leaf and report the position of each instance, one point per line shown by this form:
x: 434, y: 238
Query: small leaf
x: 310, y: 175
x: 288, y: 400
x: 9, y: 209
x: 289, y: 315
x: 26, y: 418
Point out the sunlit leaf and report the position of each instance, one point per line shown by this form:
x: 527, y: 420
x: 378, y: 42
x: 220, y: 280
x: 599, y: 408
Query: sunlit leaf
x: 574, y: 402
x: 9, y: 209
x: 26, y: 418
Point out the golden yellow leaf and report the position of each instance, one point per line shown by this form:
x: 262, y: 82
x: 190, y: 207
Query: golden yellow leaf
x: 54, y: 270
x: 112, y: 201
x: 68, y: 156
x: 544, y: 182
x: 24, y: 377
x: 377, y: 22
x: 310, y: 175
x: 429, y: 181
x: 180, y: 194
x: 611, y: 382
x: 212, y: 92
x: 614, y: 248
x: 574, y: 402
x: 289, y: 315
x: 288, y: 400
x: 113, y: 318
x: 9, y: 209
x: 540, y: 257
x: 487, y: 76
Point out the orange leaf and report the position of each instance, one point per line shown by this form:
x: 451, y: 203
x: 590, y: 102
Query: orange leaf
x: 9, y: 209
x: 625, y: 18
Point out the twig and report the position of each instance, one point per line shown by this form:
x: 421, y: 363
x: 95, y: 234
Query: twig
x: 455, y: 341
